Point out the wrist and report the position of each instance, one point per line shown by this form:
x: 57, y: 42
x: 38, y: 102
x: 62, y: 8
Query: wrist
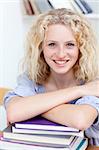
x: 80, y: 90
x: 76, y: 92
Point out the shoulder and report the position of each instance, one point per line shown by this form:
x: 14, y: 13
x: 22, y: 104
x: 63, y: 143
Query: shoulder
x: 25, y: 87
x: 24, y: 79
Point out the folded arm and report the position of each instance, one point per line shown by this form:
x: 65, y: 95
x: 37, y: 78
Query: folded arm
x: 77, y: 116
x: 24, y: 107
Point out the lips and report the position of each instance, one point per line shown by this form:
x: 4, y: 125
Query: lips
x: 61, y: 62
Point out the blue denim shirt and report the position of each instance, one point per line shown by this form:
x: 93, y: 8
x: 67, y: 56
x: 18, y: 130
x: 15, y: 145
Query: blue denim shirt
x: 27, y: 87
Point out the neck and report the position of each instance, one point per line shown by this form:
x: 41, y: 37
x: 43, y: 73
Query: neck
x: 62, y: 81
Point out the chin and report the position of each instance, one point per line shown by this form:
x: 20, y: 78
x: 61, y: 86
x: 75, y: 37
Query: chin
x: 61, y: 72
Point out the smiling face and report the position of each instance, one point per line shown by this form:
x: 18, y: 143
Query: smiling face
x: 60, y: 49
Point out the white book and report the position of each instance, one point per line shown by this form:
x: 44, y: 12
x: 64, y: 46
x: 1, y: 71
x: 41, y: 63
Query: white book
x: 49, y: 132
x: 80, y: 144
x: 50, y: 139
x: 61, y: 4
x: 75, y: 6
x: 81, y: 6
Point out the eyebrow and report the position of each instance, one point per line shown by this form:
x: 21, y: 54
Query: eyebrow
x: 50, y: 41
x: 64, y: 42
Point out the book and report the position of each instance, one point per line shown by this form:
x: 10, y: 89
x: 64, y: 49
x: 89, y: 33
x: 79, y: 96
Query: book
x: 5, y: 144
x: 39, y: 122
x: 34, y: 7
x: 75, y: 6
x: 87, y: 6
x: 84, y: 6
x: 53, y: 132
x: 28, y: 7
x: 55, y: 139
x: 83, y: 9
x: 61, y: 4
x: 42, y: 5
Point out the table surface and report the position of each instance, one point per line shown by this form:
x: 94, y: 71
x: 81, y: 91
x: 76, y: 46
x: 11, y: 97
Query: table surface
x: 92, y: 148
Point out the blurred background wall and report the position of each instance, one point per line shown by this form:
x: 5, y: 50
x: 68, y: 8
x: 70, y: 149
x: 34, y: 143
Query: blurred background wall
x: 11, y: 41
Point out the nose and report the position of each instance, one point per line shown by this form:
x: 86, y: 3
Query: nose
x: 61, y: 53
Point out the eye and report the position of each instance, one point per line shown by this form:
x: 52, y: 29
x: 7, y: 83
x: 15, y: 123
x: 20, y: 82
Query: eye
x: 70, y: 45
x: 51, y: 44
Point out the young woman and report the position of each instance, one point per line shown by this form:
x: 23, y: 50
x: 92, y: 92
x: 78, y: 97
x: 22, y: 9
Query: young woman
x: 60, y: 75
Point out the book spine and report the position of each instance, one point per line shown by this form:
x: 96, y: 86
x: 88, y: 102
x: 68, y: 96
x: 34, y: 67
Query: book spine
x: 50, y: 4
x: 28, y: 7
x: 82, y: 145
x: 43, y: 5
x: 75, y: 6
x: 33, y: 5
x: 86, y: 5
x: 80, y: 5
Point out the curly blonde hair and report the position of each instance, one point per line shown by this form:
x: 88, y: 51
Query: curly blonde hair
x: 87, y: 66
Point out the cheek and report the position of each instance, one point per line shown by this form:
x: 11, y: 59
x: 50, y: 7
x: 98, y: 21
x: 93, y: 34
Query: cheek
x: 46, y: 56
x: 75, y: 55
x: 47, y: 53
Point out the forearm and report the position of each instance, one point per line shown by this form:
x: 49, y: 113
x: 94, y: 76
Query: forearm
x: 77, y: 116
x: 91, y: 88
x: 20, y: 108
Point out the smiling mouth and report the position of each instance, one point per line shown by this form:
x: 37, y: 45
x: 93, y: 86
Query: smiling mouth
x: 61, y: 62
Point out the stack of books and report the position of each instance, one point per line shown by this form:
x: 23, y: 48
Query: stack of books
x: 39, y: 133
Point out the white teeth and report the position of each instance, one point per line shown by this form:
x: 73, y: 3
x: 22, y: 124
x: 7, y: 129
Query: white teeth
x: 60, y: 62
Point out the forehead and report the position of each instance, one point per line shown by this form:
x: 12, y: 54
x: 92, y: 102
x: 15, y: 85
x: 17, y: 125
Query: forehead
x: 58, y: 31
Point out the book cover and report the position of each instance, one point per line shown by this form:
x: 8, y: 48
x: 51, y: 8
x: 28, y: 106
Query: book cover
x: 28, y: 8
x: 77, y: 144
x: 43, y: 5
x: 43, y: 124
x: 49, y: 132
x: 81, y: 6
x: 75, y: 6
x: 87, y: 6
x: 84, y: 6
x: 61, y: 4
x: 75, y: 140
x: 50, y: 139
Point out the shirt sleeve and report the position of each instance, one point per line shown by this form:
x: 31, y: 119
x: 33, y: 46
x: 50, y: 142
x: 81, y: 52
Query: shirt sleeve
x: 25, y: 87
x: 93, y: 131
x: 90, y: 100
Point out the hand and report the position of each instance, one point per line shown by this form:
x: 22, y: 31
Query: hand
x: 91, y: 88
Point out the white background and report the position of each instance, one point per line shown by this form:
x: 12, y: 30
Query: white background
x: 11, y: 41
